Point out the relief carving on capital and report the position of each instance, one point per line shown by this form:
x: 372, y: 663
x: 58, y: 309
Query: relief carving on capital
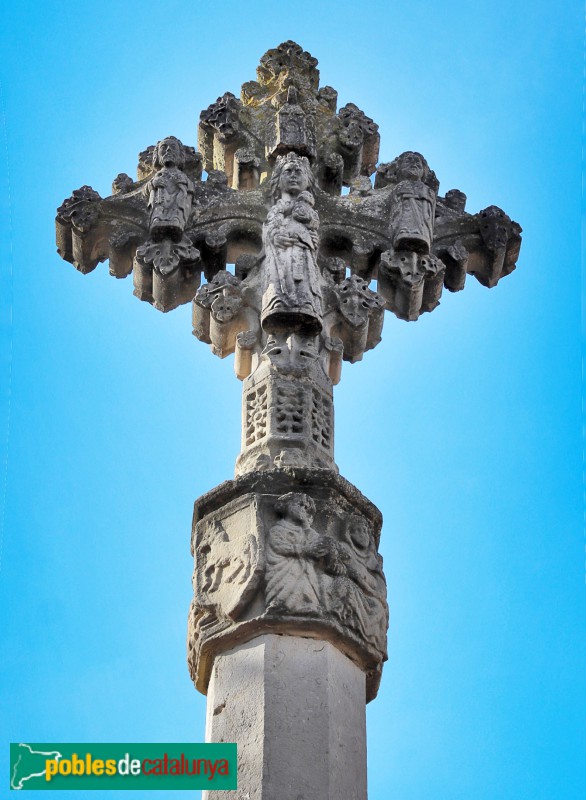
x: 289, y: 562
x: 311, y: 574
x: 296, y: 555
x: 229, y: 563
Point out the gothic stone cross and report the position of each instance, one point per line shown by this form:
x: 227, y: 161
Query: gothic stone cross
x: 288, y: 547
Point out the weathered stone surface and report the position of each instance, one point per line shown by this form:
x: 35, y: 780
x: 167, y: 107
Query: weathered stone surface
x: 358, y: 320
x: 414, y: 191
x: 296, y: 708
x: 235, y: 212
x: 292, y: 297
x: 291, y: 551
x: 298, y: 276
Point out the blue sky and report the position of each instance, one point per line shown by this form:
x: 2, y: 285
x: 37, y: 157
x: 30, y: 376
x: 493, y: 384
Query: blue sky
x: 464, y: 428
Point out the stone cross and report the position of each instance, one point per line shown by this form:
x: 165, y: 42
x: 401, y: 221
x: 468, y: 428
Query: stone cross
x: 287, y: 628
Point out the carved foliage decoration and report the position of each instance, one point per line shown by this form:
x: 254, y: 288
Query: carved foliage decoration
x: 81, y: 209
x: 166, y: 255
x: 79, y: 237
x: 410, y: 283
x: 360, y: 319
x: 221, y: 117
x: 284, y: 114
x: 286, y: 59
x: 291, y: 353
x: 289, y: 407
x: 220, y: 313
x: 287, y: 418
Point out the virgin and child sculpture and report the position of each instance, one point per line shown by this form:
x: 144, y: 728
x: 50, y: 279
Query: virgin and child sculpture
x: 291, y: 289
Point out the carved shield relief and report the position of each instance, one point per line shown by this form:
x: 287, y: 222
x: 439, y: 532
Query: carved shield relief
x: 230, y: 558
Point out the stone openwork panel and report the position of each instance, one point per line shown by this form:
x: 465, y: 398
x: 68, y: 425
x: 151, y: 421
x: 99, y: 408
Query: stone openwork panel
x: 297, y: 276
x: 287, y: 421
x: 288, y: 551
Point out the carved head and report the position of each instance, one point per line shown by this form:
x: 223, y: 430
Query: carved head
x: 358, y: 532
x: 168, y: 153
x: 297, y: 506
x: 306, y: 197
x: 292, y: 175
x: 411, y: 166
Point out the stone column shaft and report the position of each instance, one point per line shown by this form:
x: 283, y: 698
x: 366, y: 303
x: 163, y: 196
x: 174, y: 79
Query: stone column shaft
x: 296, y: 708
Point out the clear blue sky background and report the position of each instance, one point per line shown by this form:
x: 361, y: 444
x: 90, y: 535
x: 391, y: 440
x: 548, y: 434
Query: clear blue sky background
x: 463, y: 428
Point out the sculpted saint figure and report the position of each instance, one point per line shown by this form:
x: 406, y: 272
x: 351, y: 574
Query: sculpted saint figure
x: 292, y: 291
x: 414, y: 198
x: 169, y: 193
x: 293, y: 579
x: 357, y: 593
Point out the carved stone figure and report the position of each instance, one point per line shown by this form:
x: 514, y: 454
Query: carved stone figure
x: 284, y: 113
x: 359, y: 142
x: 169, y: 192
x: 298, y: 277
x: 357, y: 594
x: 292, y: 284
x: 292, y: 580
x: 413, y: 200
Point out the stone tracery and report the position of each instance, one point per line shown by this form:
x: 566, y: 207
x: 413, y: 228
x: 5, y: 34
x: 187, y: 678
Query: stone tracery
x: 289, y: 544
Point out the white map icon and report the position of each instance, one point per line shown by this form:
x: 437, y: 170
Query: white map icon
x: 33, y: 759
